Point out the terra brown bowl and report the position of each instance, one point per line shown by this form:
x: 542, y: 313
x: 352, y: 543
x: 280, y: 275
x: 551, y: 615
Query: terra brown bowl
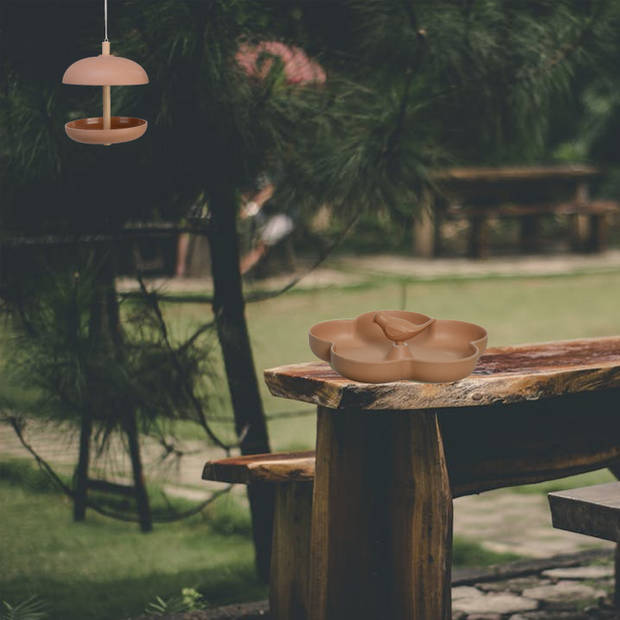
x: 91, y: 131
x: 393, y: 345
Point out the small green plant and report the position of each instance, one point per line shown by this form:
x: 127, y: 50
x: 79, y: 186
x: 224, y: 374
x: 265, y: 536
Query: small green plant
x: 32, y: 608
x: 189, y: 600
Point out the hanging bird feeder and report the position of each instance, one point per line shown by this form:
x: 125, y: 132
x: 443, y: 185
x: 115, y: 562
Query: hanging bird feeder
x: 105, y: 71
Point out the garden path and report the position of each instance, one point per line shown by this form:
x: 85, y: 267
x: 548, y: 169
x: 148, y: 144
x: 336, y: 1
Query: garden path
x: 352, y: 270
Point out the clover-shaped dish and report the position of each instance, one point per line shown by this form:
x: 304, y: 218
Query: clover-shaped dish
x: 391, y: 345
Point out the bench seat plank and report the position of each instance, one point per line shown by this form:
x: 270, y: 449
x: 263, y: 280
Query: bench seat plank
x: 503, y: 375
x: 594, y: 510
x: 288, y: 467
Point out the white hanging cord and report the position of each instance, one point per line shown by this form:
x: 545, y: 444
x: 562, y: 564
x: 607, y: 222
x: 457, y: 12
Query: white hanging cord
x: 105, y: 18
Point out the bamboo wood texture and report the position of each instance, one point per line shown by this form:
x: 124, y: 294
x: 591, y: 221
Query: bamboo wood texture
x: 288, y: 583
x: 503, y: 375
x: 382, y: 519
x: 594, y: 510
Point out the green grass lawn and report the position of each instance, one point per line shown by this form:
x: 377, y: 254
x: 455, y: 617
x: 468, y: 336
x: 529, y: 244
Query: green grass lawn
x: 107, y: 570
x: 102, y: 569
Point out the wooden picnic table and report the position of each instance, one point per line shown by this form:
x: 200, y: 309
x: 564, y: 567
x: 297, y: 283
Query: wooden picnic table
x: 526, y: 193
x: 391, y: 457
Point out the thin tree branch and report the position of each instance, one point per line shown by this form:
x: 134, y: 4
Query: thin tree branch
x: 128, y: 234
x: 18, y: 426
x: 413, y: 67
x: 251, y: 297
x: 264, y: 295
x: 152, y: 299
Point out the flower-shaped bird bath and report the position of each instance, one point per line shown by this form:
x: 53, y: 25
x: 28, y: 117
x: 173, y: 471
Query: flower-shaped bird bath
x: 392, y: 345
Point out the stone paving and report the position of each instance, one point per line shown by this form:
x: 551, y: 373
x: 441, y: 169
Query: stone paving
x: 560, y: 588
x: 568, y: 587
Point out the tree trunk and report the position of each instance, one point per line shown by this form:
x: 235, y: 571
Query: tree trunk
x: 81, y: 470
x: 96, y: 335
x: 229, y: 310
x: 130, y: 425
x: 142, y: 498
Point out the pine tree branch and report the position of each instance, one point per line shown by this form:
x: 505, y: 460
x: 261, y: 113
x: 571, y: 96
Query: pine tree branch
x: 264, y: 295
x: 152, y: 299
x: 414, y: 66
x: 563, y: 52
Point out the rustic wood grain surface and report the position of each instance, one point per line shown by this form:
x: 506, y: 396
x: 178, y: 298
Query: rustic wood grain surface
x: 381, y: 519
x: 594, y: 511
x: 503, y: 375
x: 285, y: 467
x: 290, y: 565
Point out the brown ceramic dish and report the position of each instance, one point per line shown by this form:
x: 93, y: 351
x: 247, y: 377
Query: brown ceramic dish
x: 91, y: 131
x: 392, y: 345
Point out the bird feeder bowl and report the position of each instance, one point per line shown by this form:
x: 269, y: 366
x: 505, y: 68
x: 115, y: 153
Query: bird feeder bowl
x: 105, y: 71
x: 379, y: 347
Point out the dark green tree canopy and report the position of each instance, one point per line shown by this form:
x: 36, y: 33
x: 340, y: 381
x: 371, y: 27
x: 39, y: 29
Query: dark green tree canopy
x: 410, y: 84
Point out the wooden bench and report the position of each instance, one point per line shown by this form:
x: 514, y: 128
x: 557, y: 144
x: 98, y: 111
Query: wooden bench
x: 586, y: 236
x: 527, y: 414
x: 524, y: 193
x: 293, y: 477
x: 593, y: 511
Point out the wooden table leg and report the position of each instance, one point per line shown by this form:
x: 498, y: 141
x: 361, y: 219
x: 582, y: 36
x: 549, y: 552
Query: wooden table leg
x: 478, y: 237
x: 382, y: 518
x: 597, y: 241
x: 288, y: 585
x: 529, y: 238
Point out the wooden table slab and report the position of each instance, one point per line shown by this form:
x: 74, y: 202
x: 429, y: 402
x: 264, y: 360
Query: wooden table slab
x: 503, y: 375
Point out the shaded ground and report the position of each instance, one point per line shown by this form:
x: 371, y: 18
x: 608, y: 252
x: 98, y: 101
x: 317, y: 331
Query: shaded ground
x: 568, y: 587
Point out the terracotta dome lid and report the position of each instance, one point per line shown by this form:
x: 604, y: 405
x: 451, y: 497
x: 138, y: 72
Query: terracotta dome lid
x: 104, y: 70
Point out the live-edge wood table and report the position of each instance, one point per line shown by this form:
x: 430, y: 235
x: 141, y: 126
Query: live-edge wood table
x: 390, y: 458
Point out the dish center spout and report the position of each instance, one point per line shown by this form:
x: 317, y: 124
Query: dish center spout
x: 399, y: 351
